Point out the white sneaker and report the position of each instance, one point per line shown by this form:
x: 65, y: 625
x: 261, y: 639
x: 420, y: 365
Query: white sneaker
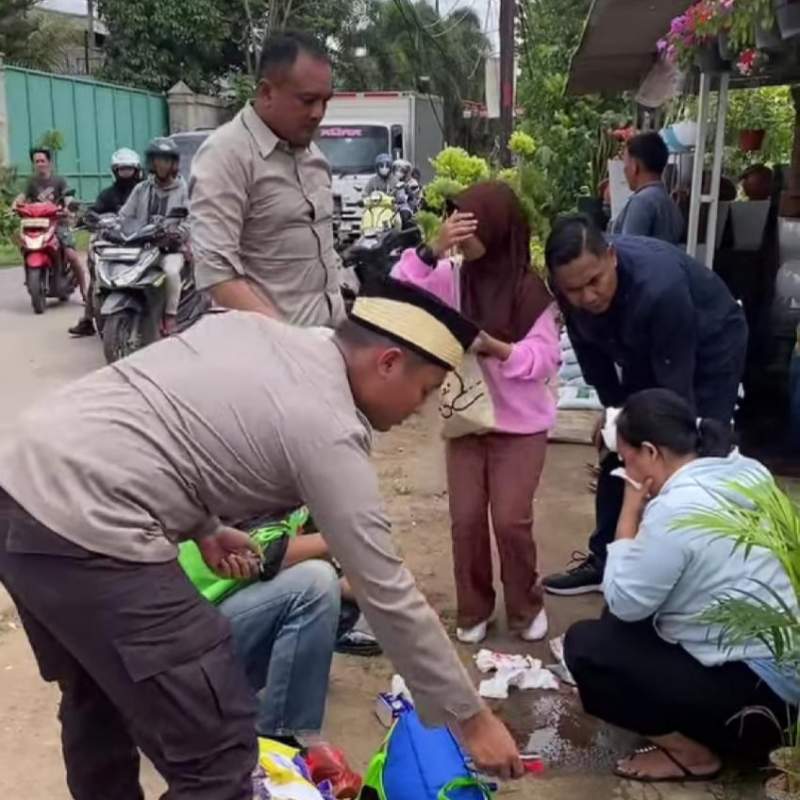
x: 537, y: 630
x: 472, y: 635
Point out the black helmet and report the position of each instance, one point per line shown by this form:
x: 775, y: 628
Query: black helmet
x: 162, y: 147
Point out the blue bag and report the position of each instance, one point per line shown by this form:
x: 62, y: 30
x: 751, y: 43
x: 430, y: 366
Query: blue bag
x: 419, y: 763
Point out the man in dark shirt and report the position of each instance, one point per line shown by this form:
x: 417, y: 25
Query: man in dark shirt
x: 650, y: 210
x: 46, y: 187
x: 641, y: 314
x: 127, y: 171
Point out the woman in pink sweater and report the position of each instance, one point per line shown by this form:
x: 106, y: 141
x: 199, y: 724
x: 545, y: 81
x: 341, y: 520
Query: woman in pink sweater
x: 496, y: 474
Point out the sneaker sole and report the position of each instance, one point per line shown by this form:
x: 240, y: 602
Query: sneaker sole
x: 590, y: 589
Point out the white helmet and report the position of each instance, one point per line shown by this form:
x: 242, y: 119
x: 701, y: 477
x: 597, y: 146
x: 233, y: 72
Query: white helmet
x: 125, y: 157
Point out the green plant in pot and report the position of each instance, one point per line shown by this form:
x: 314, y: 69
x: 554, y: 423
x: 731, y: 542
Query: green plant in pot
x: 772, y: 521
x: 750, y: 23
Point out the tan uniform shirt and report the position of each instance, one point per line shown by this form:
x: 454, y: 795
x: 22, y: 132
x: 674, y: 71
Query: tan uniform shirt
x: 264, y: 210
x: 237, y: 417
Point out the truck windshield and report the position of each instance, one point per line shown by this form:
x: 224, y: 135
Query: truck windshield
x: 352, y: 149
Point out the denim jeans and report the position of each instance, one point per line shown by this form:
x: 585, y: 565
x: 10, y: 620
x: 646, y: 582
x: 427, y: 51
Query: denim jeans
x: 284, y: 631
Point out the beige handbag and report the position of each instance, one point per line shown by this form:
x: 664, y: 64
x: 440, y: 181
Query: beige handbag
x: 465, y: 404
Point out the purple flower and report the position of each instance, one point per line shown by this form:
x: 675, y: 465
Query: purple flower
x: 679, y: 25
x: 662, y: 45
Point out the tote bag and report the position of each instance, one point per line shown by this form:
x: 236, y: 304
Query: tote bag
x: 465, y: 404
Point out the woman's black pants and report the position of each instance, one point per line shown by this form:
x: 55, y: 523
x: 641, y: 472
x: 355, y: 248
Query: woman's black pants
x: 630, y: 677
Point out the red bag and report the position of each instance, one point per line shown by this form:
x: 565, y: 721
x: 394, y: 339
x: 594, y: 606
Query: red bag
x: 326, y: 762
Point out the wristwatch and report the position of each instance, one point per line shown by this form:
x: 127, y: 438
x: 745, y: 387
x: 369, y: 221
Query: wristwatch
x: 426, y: 255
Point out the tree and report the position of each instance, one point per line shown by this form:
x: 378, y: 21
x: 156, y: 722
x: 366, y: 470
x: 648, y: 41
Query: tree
x: 155, y: 43
x: 16, y: 25
x: 566, y: 129
x: 404, y: 42
x: 30, y: 38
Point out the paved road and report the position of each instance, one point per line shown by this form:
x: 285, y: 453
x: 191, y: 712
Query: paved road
x: 37, y: 354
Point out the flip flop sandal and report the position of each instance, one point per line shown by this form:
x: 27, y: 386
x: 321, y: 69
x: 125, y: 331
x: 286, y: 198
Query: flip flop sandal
x: 687, y: 777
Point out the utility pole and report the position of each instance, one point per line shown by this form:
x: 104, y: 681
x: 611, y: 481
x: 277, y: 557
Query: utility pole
x: 89, y: 34
x: 507, y: 61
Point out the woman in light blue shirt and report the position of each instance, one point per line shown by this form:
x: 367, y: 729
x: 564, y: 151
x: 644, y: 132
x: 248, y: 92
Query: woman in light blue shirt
x: 649, y: 664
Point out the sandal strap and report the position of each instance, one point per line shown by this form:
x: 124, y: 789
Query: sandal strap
x: 652, y: 748
x: 682, y: 767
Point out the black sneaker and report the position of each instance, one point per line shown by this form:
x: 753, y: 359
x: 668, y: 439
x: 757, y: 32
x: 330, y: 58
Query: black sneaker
x: 585, y: 577
x: 85, y: 327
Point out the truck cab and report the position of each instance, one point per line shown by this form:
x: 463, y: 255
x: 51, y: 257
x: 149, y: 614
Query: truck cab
x: 358, y: 127
x: 351, y: 150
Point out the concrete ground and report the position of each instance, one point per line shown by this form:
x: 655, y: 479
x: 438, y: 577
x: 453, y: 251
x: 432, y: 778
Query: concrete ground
x: 37, y: 355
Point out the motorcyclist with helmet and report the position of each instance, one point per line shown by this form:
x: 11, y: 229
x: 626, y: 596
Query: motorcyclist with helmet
x: 127, y: 171
x: 162, y: 191
x: 382, y: 181
x: 401, y: 170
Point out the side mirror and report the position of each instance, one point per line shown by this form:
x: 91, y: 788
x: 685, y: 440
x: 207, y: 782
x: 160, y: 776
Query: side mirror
x: 179, y: 212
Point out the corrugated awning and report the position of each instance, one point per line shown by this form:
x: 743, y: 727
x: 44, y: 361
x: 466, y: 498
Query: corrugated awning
x: 618, y: 47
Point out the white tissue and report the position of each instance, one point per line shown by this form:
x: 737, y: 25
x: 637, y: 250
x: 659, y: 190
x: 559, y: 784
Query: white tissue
x: 619, y: 472
x: 523, y: 672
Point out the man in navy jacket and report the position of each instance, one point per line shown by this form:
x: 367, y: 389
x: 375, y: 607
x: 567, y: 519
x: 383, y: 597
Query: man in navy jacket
x: 641, y: 314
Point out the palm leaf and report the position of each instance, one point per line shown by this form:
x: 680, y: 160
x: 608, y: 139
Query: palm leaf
x: 743, y: 617
x: 754, y: 512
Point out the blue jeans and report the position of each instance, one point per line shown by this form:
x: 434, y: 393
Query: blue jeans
x: 284, y: 632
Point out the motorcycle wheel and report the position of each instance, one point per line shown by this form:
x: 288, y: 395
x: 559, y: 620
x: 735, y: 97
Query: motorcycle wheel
x: 121, y: 335
x: 67, y: 284
x: 37, y: 289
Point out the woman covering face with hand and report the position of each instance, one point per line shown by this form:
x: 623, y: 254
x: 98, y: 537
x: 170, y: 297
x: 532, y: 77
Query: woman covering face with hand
x: 651, y: 664
x: 496, y: 472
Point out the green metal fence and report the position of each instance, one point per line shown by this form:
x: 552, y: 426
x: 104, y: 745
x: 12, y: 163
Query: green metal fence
x: 94, y: 118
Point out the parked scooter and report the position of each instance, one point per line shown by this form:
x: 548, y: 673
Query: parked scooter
x: 47, y: 273
x: 129, y: 295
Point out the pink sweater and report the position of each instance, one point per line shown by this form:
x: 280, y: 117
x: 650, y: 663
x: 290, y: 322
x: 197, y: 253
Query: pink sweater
x: 523, y: 401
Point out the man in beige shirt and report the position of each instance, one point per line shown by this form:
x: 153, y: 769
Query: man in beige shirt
x: 104, y: 478
x: 261, y: 198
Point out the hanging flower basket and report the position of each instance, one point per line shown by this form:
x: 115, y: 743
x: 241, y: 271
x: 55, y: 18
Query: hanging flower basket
x: 707, y: 59
x: 751, y: 139
x: 787, y: 12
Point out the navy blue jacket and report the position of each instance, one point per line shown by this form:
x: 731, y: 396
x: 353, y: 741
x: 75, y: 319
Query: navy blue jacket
x: 673, y: 324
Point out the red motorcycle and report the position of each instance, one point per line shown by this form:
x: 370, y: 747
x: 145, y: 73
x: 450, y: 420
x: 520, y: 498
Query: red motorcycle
x: 47, y: 273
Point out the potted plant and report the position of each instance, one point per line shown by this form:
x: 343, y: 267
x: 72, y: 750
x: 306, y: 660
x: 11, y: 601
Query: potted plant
x: 692, y: 39
x: 751, y: 139
x: 772, y: 521
x: 750, y: 23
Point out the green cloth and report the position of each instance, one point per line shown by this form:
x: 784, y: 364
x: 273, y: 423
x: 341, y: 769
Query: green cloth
x: 216, y: 589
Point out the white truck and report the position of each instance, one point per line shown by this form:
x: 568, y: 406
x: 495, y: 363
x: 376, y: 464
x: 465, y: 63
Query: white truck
x: 359, y: 126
